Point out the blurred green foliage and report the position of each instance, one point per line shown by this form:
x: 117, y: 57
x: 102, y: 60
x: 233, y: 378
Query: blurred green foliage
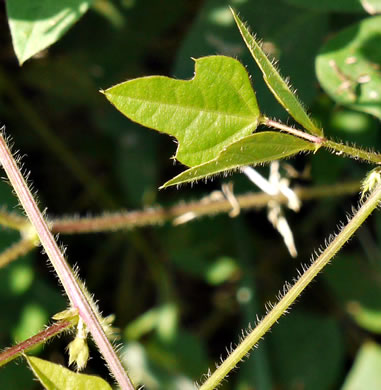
x: 182, y: 294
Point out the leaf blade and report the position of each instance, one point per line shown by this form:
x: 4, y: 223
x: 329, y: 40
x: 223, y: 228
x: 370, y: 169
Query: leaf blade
x: 255, y: 149
x: 347, y: 66
x: 278, y: 87
x: 37, y: 24
x: 207, y: 113
x: 55, y: 377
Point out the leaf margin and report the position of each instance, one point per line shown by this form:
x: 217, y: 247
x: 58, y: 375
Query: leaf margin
x: 304, y: 146
x: 296, y: 110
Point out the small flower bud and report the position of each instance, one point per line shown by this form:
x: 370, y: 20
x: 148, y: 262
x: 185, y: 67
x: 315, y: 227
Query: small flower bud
x: 371, y: 181
x: 78, y: 352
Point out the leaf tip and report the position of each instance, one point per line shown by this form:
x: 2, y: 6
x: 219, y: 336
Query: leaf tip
x: 165, y: 185
x: 232, y: 10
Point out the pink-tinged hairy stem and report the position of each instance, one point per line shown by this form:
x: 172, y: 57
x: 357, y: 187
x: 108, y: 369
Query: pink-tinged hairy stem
x: 53, y: 330
x: 70, y: 283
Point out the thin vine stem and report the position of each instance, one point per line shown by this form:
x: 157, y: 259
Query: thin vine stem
x: 208, y: 206
x: 20, y: 248
x: 292, y: 292
x: 351, y: 151
x: 335, y: 147
x: 42, y: 337
x: 299, y: 133
x: 75, y: 290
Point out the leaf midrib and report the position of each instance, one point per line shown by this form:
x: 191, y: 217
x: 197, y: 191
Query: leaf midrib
x: 190, y: 108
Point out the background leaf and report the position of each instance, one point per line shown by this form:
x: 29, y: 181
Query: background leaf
x: 254, y: 149
x: 348, y: 66
x: 365, y: 372
x: 307, y: 351
x: 55, y: 377
x: 278, y: 25
x: 356, y: 285
x: 338, y: 5
x: 130, y: 272
x: 36, y: 24
x: 205, y: 114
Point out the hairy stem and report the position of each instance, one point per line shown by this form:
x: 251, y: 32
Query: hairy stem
x: 292, y: 292
x: 40, y: 338
x: 205, y: 207
x: 13, y: 221
x: 335, y: 147
x: 299, y: 133
x: 18, y: 249
x: 358, y: 154
x: 74, y: 289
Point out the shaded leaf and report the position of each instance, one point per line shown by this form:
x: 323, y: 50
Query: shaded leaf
x: 317, y: 352
x: 277, y: 85
x: 361, y: 302
x: 348, y: 66
x: 365, y: 373
x: 206, y: 114
x: 55, y: 377
x: 254, y: 149
x: 214, y: 31
x: 221, y: 270
x: 37, y: 24
x: 370, y: 6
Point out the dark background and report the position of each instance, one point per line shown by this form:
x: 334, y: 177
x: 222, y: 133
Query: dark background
x: 56, y: 117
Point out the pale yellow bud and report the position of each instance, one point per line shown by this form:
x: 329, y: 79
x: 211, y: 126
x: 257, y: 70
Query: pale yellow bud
x: 78, y: 352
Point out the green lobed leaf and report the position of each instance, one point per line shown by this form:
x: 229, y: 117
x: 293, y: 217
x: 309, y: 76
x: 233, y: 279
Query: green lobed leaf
x: 371, y: 6
x: 365, y: 373
x: 55, y: 377
x: 277, y: 85
x: 255, y: 149
x: 348, y: 66
x: 37, y: 24
x: 206, y: 114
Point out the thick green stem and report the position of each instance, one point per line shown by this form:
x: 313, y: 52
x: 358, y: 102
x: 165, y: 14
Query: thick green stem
x: 294, y: 291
